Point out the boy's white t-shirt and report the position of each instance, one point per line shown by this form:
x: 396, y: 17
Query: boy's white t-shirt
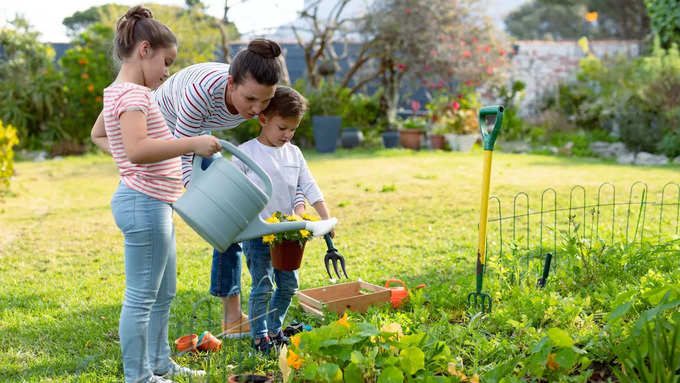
x: 287, y: 169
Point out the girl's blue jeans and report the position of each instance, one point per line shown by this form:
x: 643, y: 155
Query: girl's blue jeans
x: 150, y: 282
x: 263, y: 297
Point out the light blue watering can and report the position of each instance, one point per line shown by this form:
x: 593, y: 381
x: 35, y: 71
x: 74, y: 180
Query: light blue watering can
x: 223, y: 206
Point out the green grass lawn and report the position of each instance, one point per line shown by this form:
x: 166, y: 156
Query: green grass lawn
x: 405, y: 215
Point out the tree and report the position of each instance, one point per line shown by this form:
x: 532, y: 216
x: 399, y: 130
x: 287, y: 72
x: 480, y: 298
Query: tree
x: 197, y: 32
x: 439, y: 44
x: 565, y: 19
x: 665, y: 20
x: 321, y: 49
x: 30, y: 86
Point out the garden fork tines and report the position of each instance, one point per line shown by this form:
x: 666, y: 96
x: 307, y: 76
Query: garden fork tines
x: 332, y: 255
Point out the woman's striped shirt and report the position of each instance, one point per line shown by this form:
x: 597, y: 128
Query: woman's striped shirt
x: 192, y: 102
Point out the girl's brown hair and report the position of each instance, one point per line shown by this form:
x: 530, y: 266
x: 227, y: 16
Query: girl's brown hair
x: 259, y: 60
x: 138, y: 25
x: 286, y: 103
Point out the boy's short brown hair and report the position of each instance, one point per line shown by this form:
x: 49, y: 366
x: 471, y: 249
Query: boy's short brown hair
x: 287, y: 103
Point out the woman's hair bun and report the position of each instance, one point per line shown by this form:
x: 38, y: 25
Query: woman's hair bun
x: 138, y: 12
x: 266, y: 48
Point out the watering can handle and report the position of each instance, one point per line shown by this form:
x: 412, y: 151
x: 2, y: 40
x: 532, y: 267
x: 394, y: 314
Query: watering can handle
x: 245, y: 159
x: 387, y: 283
x: 489, y: 133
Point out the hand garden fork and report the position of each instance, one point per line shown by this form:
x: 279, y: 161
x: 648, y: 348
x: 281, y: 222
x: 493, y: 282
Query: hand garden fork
x: 489, y: 133
x: 332, y: 255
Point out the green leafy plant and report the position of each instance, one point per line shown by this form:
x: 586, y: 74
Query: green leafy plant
x: 87, y: 69
x: 415, y: 123
x: 8, y: 138
x: 352, y: 351
x: 554, y: 356
x: 652, y: 351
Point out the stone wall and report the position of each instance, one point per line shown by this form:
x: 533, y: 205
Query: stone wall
x: 541, y: 65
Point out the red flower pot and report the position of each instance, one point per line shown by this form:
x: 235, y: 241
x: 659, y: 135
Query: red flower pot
x: 437, y: 141
x: 410, y: 138
x: 287, y: 255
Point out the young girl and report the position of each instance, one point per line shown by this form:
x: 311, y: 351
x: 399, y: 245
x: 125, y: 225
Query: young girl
x: 148, y: 160
x: 290, y: 176
x: 210, y: 96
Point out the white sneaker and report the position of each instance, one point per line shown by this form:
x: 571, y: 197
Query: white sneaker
x: 177, y: 370
x: 159, y: 379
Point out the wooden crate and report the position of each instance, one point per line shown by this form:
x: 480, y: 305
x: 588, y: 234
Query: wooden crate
x: 353, y: 296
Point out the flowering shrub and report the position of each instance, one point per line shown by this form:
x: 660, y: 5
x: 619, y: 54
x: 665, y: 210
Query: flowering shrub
x: 358, y: 352
x: 8, y: 138
x: 454, y: 113
x: 301, y: 236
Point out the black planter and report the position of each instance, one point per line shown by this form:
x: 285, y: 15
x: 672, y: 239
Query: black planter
x: 351, y: 137
x: 390, y: 138
x: 326, y: 132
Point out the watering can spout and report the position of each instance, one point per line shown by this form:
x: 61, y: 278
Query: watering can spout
x: 258, y: 228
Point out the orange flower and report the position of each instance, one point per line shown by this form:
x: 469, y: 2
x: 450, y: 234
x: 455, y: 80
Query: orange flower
x: 552, y: 365
x: 294, y: 360
x: 84, y: 75
x: 343, y: 321
x: 90, y: 88
x: 82, y: 61
x: 591, y: 16
x: 98, y: 99
x: 295, y: 340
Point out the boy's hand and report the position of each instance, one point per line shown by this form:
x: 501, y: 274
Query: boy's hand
x: 206, y: 145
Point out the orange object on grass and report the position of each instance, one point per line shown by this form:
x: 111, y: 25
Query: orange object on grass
x: 591, y: 16
x: 208, y: 342
x: 187, y: 342
x: 399, y: 294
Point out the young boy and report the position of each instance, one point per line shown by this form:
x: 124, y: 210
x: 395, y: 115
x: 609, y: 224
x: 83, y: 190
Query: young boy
x: 288, y: 170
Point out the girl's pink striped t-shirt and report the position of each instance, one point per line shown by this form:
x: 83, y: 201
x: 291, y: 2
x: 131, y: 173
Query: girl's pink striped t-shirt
x: 161, y: 180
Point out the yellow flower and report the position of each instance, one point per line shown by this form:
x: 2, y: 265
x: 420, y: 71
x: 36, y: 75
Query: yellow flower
x: 293, y: 217
x: 268, y: 238
x: 295, y: 340
x: 552, y: 365
x: 294, y: 360
x: 272, y: 219
x: 474, y: 379
x: 454, y: 371
x: 343, y: 321
x: 304, y: 233
x: 308, y: 217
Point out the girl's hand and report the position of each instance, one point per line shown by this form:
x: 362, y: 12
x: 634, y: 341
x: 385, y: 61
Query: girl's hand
x: 206, y: 145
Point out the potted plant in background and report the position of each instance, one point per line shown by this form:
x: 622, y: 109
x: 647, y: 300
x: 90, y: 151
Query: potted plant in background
x: 390, y: 136
x: 412, y: 132
x: 326, y: 105
x: 360, y: 118
x: 286, y: 248
x: 455, y: 117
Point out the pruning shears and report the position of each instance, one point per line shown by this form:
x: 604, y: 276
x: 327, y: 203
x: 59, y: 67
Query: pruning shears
x: 490, y: 121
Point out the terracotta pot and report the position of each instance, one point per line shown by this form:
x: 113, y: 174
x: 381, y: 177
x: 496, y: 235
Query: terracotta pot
x: 248, y: 378
x: 410, y: 138
x: 437, y: 141
x: 187, y: 342
x: 287, y: 255
x: 208, y: 342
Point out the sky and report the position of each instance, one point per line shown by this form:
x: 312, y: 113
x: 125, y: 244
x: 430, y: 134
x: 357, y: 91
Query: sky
x: 47, y: 15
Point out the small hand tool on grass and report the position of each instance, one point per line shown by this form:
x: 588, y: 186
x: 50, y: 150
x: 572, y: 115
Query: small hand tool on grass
x: 546, y: 270
x: 478, y: 298
x: 332, y: 255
